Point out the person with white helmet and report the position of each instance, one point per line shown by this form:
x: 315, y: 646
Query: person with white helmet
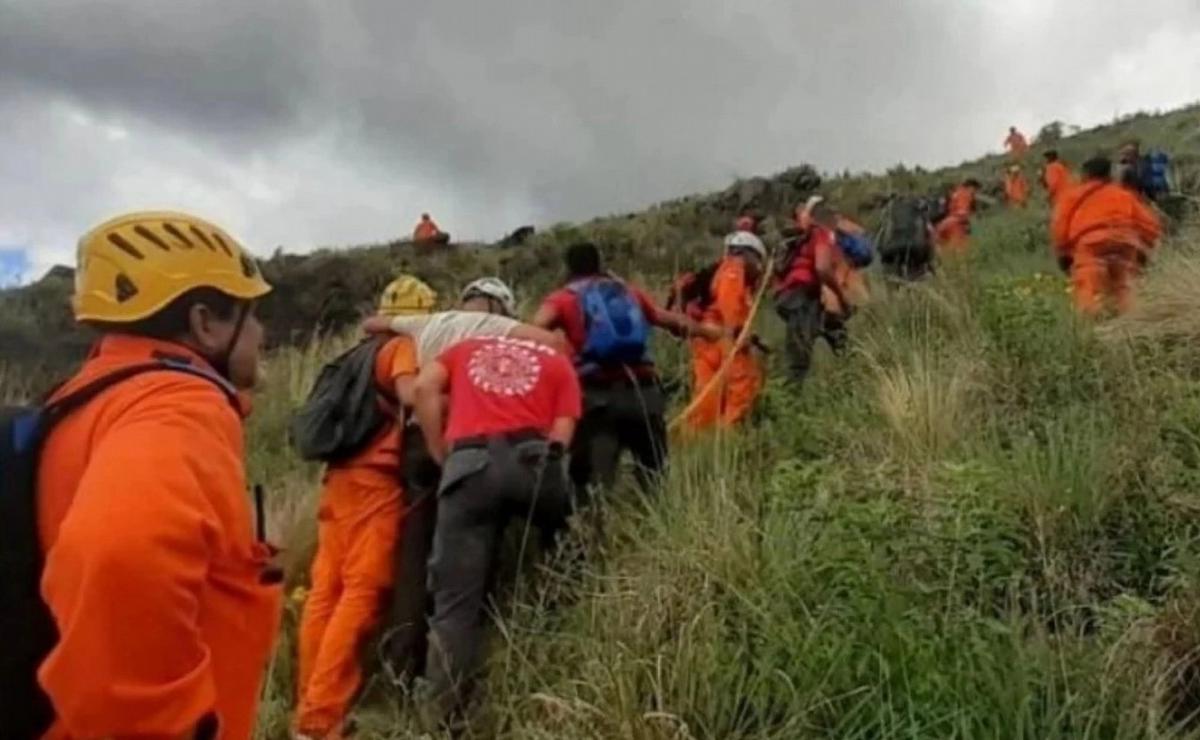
x: 487, y: 308
x: 725, y: 401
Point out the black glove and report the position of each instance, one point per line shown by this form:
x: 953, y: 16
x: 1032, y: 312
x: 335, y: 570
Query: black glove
x: 1065, y: 261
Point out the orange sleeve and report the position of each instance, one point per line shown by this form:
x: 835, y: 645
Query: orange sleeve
x: 1059, y: 227
x: 124, y: 578
x: 729, y: 294
x: 397, y: 358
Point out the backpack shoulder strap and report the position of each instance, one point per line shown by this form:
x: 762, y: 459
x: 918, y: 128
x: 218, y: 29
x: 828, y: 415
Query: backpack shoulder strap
x: 59, y: 408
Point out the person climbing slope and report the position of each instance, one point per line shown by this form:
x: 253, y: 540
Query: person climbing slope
x: 954, y: 231
x: 729, y: 400
x: 1101, y: 232
x: 1016, y: 144
x: 607, y: 322
x: 905, y: 239
x: 497, y: 413
x: 1016, y: 187
x: 1056, y: 177
x: 358, y: 522
x: 165, y: 601
x: 486, y: 309
x: 809, y: 266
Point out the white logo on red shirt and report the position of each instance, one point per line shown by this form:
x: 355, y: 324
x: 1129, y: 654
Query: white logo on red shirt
x: 506, y: 367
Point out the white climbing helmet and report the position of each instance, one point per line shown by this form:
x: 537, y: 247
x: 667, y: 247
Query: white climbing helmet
x: 744, y: 240
x: 495, y: 289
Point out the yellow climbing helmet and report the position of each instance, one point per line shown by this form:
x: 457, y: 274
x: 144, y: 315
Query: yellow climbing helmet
x: 132, y: 266
x: 406, y: 296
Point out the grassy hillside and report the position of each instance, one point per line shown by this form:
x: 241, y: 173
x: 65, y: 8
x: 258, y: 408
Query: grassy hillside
x: 982, y: 523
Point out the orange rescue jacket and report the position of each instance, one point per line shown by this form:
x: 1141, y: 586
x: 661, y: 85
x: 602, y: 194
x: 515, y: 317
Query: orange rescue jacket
x: 153, y: 572
x: 1098, y: 214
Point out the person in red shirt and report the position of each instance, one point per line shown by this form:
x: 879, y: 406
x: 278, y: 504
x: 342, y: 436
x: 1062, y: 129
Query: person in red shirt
x: 358, y: 523
x: 623, y: 400
x: 498, y: 413
x: 809, y: 267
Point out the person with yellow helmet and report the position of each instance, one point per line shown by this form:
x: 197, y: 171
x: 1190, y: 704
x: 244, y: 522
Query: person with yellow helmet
x: 163, y: 600
x: 359, y: 520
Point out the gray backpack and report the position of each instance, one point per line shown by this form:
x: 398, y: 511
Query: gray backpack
x: 344, y: 410
x: 905, y: 227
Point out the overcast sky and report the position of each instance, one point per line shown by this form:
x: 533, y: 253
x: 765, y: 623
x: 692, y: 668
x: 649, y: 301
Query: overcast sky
x: 306, y: 123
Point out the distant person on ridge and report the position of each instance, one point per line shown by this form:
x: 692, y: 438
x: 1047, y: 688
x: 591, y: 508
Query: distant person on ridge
x: 954, y: 231
x: 734, y: 285
x: 1016, y: 144
x: 427, y: 232
x: 808, y: 267
x: 1016, y: 187
x: 1055, y: 176
x: 1101, y: 232
x: 608, y: 322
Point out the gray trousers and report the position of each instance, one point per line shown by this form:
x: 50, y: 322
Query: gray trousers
x: 482, y: 488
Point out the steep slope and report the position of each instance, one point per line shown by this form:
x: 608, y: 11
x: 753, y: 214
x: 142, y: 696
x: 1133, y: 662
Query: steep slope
x: 329, y: 289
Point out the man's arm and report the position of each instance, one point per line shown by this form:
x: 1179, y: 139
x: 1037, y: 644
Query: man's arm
x: 563, y: 430
x: 546, y: 317
x: 826, y: 271
x: 532, y: 333
x: 428, y: 409
x: 685, y: 326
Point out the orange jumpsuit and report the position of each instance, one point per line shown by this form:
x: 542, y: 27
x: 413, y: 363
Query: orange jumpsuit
x: 1016, y: 189
x: 731, y: 400
x: 358, y: 521
x: 1017, y: 145
x: 1057, y: 179
x: 426, y: 230
x: 153, y: 573
x: 954, y: 230
x: 1103, y: 227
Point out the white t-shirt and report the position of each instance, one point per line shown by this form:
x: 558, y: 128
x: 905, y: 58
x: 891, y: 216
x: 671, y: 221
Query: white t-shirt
x: 439, y: 331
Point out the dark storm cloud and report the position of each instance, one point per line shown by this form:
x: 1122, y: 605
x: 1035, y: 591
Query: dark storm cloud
x: 307, y: 121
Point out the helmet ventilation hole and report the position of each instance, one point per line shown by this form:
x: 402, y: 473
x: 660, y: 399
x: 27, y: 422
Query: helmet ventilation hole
x: 123, y: 244
x: 125, y: 288
x: 249, y: 269
x: 223, y: 245
x: 151, y: 237
x: 170, y: 229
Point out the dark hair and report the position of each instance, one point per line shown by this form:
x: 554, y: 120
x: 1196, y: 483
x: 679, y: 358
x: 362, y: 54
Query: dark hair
x: 1051, y: 155
x: 583, y: 260
x: 971, y: 182
x: 174, y: 321
x: 1098, y: 168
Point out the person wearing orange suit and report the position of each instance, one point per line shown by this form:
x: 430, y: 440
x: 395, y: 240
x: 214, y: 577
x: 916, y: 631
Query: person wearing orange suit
x: 954, y: 231
x: 1016, y: 187
x: 165, y: 601
x: 358, y: 521
x: 1016, y: 144
x: 1101, y: 233
x: 428, y: 232
x: 1056, y: 177
x: 729, y: 400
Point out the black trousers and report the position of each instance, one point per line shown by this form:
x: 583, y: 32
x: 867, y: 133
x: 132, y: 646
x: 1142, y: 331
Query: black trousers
x: 482, y: 489
x: 405, y: 641
x: 618, y: 418
x: 807, y: 320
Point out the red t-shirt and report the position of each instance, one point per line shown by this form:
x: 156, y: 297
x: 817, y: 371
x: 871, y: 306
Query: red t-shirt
x: 565, y: 303
x: 802, y: 271
x: 502, y: 384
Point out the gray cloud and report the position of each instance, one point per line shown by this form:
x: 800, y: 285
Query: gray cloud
x: 304, y: 122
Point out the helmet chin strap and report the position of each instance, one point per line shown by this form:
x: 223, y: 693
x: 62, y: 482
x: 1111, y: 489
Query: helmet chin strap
x: 222, y: 363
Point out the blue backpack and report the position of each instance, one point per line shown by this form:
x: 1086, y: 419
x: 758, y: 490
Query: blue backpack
x: 857, y: 248
x: 1156, y: 174
x: 617, y: 330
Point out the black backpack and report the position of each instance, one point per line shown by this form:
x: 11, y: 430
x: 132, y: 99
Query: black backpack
x: 25, y: 620
x: 343, y: 412
x: 905, y: 227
